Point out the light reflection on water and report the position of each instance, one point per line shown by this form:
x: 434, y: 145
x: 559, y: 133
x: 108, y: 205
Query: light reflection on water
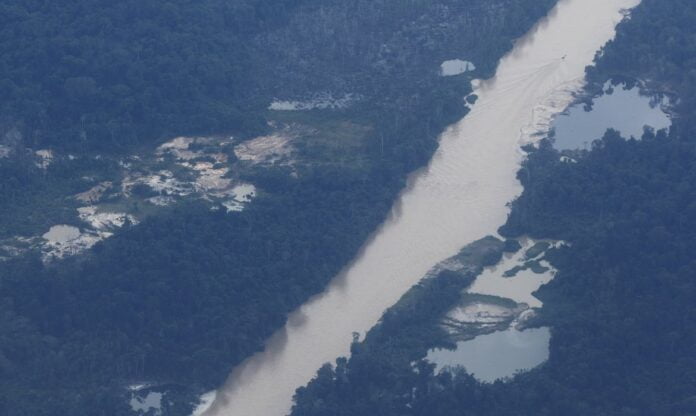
x: 502, y: 354
x: 497, y: 355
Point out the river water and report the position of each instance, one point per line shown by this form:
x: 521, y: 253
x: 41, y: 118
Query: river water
x: 459, y: 197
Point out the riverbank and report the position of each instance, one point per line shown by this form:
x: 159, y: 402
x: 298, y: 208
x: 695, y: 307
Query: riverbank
x: 429, y: 332
x: 621, y: 305
x: 189, y: 293
x: 459, y: 198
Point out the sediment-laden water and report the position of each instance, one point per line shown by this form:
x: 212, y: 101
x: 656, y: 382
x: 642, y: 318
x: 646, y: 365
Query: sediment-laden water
x: 460, y: 197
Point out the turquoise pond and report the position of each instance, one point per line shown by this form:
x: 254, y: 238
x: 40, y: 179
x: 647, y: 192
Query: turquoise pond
x: 497, y: 355
x: 620, y: 108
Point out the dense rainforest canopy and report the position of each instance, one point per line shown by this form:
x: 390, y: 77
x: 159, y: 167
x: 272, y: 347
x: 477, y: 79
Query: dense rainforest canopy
x: 100, y: 74
x: 181, y: 298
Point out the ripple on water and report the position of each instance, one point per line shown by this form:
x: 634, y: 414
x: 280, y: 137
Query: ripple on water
x: 461, y: 197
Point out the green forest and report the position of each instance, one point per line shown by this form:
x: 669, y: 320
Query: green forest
x: 621, y: 306
x: 94, y: 75
x: 184, y: 296
x: 99, y: 75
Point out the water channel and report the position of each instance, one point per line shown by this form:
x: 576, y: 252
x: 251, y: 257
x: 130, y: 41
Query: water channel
x: 459, y: 197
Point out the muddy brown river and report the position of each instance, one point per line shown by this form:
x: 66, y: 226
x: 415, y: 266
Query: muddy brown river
x: 459, y: 197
